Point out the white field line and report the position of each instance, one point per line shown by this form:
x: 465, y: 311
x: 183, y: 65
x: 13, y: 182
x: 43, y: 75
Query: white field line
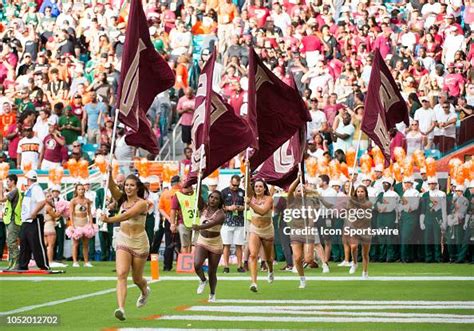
x: 383, y: 307
x: 301, y: 310
x: 302, y: 319
x: 58, y: 302
x: 241, y: 278
x: 348, y: 302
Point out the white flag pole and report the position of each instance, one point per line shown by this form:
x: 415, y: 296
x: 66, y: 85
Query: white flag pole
x: 247, y: 172
x: 198, y: 189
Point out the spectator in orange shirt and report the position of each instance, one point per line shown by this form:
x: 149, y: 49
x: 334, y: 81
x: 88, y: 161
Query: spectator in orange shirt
x: 181, y: 75
x: 7, y: 118
x: 164, y: 205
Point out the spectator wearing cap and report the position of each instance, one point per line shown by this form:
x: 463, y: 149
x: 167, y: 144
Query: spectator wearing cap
x: 318, y: 122
x: 95, y: 112
x: 386, y: 205
x: 454, y: 83
x: 433, y: 219
x: 32, y: 228
x: 53, y: 144
x: 409, y: 203
x: 26, y: 66
x: 164, y: 206
x: 69, y: 126
x: 29, y: 149
x: 425, y: 117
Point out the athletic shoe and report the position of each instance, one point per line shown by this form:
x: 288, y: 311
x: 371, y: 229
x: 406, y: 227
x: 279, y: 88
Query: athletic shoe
x: 75, y: 265
x: 294, y: 270
x: 253, y: 287
x: 241, y: 269
x: 263, y: 266
x: 143, y: 299
x: 325, y: 268
x: 344, y: 264
x: 212, y: 298
x: 201, y: 287
x: 271, y: 278
x: 351, y: 264
x: 119, y: 314
x: 365, y: 275
x: 88, y: 265
x: 302, y: 284
x: 226, y: 270
x: 353, y: 269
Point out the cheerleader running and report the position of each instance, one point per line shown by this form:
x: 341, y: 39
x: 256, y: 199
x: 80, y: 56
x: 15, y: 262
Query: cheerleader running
x: 209, y: 243
x: 132, y: 244
x: 261, y: 232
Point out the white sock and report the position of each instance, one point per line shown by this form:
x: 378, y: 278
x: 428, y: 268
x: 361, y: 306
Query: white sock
x: 303, y: 278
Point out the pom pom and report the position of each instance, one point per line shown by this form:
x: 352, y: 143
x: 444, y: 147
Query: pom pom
x: 89, y: 231
x: 74, y: 233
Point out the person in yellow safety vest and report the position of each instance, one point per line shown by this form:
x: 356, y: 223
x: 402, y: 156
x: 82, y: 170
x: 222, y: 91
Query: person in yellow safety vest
x: 182, y: 216
x: 12, y: 219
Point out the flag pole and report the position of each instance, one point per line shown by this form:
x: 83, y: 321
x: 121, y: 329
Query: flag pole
x: 355, y: 163
x: 111, y: 156
x: 198, y: 188
x: 303, y: 202
x: 246, y: 193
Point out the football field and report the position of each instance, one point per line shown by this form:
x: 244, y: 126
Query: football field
x: 396, y: 296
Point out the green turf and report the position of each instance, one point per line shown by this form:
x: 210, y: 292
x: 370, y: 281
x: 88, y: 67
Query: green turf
x: 95, y: 313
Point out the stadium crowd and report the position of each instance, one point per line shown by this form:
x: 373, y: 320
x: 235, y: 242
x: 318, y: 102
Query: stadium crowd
x: 60, y: 62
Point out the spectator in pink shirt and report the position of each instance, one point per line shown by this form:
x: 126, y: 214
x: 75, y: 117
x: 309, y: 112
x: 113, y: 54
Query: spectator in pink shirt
x: 453, y: 82
x: 185, y: 108
x: 383, y: 42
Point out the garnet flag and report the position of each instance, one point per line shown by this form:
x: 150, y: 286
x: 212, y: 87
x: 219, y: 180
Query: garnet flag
x: 144, y: 74
x: 275, y: 111
x: 384, y: 106
x: 217, y: 131
x: 281, y: 169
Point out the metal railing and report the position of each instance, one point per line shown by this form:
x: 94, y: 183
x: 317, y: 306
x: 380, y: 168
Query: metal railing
x: 174, y: 137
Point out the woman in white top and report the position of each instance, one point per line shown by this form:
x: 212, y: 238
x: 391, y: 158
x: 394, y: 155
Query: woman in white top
x: 414, y: 138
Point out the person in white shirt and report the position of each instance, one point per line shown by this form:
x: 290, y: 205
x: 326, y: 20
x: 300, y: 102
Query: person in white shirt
x: 433, y: 219
x: 386, y: 205
x: 426, y: 120
x: 446, y: 123
x: 29, y: 149
x: 326, y: 196
x: 318, y: 119
x: 408, y: 220
x: 343, y: 135
x: 41, y: 127
x: 378, y: 183
x: 366, y: 180
x: 32, y: 227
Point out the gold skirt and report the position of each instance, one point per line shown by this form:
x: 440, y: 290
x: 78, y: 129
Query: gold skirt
x: 49, y: 228
x: 137, y: 246
x: 266, y: 233
x: 214, y: 245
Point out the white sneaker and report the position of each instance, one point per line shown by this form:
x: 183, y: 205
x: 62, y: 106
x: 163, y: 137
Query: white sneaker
x: 294, y: 270
x: 253, y: 287
x: 344, y: 264
x: 143, y: 299
x: 119, y: 314
x: 201, y: 287
x: 88, y: 265
x: 212, y: 298
x: 302, y: 284
x: 350, y: 264
x: 325, y: 268
x: 365, y: 275
x: 353, y: 269
x: 271, y: 278
x: 75, y: 265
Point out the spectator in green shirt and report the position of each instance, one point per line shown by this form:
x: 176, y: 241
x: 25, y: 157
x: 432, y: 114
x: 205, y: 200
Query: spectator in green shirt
x: 23, y: 101
x: 69, y: 125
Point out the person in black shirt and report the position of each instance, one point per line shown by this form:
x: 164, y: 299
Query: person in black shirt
x: 232, y: 231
